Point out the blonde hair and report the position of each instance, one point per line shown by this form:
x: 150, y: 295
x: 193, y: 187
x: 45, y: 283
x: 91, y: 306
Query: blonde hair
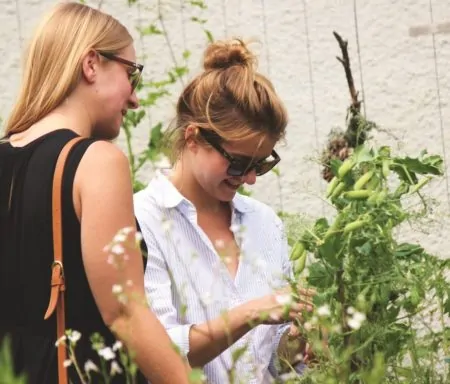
x: 54, y: 59
x: 230, y: 97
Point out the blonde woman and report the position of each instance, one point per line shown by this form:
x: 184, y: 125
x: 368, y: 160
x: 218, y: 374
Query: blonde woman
x: 217, y: 259
x: 79, y: 80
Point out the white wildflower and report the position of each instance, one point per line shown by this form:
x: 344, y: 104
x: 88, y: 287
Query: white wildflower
x: 220, y: 243
x: 261, y: 264
x: 120, y: 238
x: 61, y: 340
x: 235, y: 228
x: 275, y: 317
x: 167, y: 225
x: 138, y: 237
x: 351, y: 310
x: 298, y: 357
x: 117, y: 249
x: 107, y: 353
x: 206, y: 298
x: 324, y: 311
x: 359, y: 316
x: 117, y: 289
x: 227, y: 260
x: 117, y: 345
x: 90, y: 366
x: 308, y: 326
x: 74, y: 336
x: 122, y: 298
x: 115, y: 368
x: 283, y: 299
x: 110, y: 259
x: 127, y: 230
x: 356, y: 321
x: 67, y: 363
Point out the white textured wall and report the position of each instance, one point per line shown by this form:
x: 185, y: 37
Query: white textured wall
x: 398, y: 74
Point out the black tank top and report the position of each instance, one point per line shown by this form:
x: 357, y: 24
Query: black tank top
x: 26, y: 254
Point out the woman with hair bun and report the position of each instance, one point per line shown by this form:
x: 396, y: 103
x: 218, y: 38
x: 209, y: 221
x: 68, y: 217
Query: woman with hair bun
x: 217, y: 260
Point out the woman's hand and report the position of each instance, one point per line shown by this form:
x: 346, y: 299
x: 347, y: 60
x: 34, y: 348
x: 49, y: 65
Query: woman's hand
x: 281, y: 306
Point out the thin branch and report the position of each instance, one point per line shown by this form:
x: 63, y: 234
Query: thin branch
x: 345, y: 61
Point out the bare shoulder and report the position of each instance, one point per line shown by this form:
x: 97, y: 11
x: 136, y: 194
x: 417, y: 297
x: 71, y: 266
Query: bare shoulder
x: 104, y: 159
x: 103, y: 152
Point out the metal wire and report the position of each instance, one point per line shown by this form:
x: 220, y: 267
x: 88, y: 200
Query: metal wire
x: 19, y: 24
x: 225, y: 21
x: 266, y: 38
x: 183, y: 25
x: 311, y: 83
x: 267, y: 50
x: 438, y: 91
x: 363, y: 96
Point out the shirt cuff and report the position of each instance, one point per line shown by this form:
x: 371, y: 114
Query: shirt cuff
x: 274, y: 364
x: 180, y: 337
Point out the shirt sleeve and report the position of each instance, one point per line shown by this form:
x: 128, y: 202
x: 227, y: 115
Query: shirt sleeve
x: 158, y: 289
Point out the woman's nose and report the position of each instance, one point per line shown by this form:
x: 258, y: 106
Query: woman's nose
x: 250, y: 177
x: 133, y: 101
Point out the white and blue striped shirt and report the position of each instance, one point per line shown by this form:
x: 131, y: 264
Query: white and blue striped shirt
x: 187, y: 282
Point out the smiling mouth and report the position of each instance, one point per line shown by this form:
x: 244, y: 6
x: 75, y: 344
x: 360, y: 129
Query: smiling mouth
x: 231, y: 185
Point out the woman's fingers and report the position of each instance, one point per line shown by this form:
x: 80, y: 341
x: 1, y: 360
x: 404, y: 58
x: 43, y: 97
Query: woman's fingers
x: 307, y: 292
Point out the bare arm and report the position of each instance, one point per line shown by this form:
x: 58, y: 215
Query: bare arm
x: 210, y: 339
x: 104, y: 193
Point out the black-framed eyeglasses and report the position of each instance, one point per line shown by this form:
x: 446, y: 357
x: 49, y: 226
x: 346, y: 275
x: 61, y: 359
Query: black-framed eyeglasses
x: 240, y: 166
x: 135, y: 75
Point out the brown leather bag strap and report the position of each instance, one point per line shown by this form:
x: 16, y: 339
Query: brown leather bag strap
x: 57, y: 283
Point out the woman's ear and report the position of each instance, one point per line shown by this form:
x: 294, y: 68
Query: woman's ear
x: 190, y: 136
x: 89, y: 66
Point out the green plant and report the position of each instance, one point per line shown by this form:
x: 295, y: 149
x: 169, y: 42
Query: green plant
x: 7, y: 374
x: 382, y: 304
x: 375, y: 289
x: 153, y: 91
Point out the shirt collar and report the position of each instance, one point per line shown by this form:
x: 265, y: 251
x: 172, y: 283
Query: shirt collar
x: 167, y: 196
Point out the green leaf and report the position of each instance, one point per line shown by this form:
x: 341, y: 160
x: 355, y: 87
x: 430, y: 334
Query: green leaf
x: 244, y: 191
x: 447, y: 306
x: 428, y: 165
x: 319, y: 276
x: 209, y: 36
x: 403, y: 173
x: 196, y: 19
x: 328, y: 251
x: 7, y: 374
x: 151, y: 29
x: 196, y: 376
x: 334, y: 166
x: 362, y: 154
x: 406, y: 250
x: 238, y: 353
x: 138, y: 186
x: 198, y: 3
x: 186, y: 54
x: 365, y: 249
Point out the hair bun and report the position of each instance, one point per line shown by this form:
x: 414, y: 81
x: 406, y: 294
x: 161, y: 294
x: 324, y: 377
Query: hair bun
x: 225, y: 54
